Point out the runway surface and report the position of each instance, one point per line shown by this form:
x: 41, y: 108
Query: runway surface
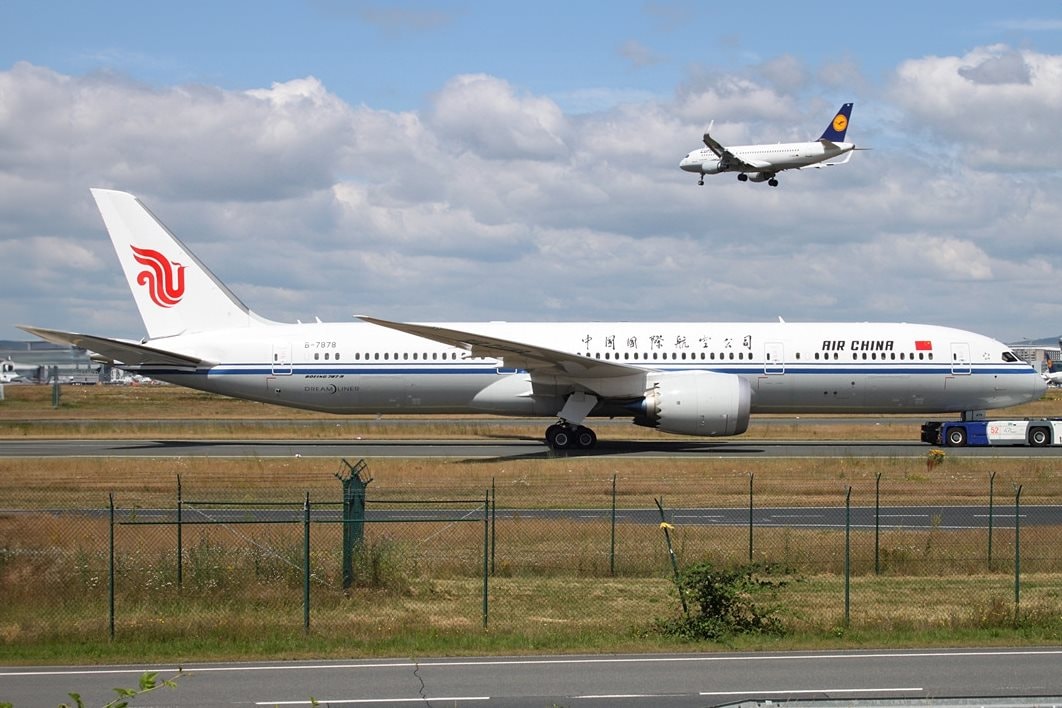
x: 502, y: 449
x: 936, y: 517
x: 915, y: 677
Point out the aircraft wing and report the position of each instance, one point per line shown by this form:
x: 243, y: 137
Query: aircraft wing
x: 533, y: 358
x: 714, y: 145
x: 729, y: 159
x: 118, y: 351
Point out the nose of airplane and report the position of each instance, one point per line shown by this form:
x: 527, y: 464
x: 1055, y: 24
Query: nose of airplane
x: 689, y: 164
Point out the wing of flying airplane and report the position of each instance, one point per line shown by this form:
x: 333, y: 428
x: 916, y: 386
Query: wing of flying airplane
x: 730, y: 160
x: 118, y: 351
x: 533, y: 358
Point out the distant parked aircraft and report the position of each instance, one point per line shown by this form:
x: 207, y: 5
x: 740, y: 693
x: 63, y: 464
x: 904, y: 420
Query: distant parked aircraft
x: 9, y: 370
x: 1052, y: 375
x: 761, y: 163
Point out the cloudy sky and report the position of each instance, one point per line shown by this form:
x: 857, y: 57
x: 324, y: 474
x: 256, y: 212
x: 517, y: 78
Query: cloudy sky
x: 461, y: 161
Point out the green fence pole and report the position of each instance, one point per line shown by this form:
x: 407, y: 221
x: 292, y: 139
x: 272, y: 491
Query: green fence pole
x: 180, y: 548
x: 612, y: 538
x: 991, y: 504
x: 751, y: 477
x: 847, y: 556
x: 110, y: 573
x: 355, y: 493
x: 1017, y: 551
x: 493, y: 523
x: 306, y: 564
x: 486, y: 531
x: 877, y: 524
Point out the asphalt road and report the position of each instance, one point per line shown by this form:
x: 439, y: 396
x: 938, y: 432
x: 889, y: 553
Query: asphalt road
x: 916, y: 677
x: 944, y: 518
x: 504, y: 449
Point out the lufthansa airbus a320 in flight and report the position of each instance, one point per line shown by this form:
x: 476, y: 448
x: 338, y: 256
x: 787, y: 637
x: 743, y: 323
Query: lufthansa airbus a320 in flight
x: 691, y: 378
x: 762, y: 163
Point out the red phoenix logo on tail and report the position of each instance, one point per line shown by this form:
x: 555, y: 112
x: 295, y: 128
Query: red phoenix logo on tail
x: 163, y: 278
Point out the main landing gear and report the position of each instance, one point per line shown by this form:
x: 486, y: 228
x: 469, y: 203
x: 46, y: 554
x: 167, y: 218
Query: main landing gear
x: 742, y: 177
x: 563, y: 436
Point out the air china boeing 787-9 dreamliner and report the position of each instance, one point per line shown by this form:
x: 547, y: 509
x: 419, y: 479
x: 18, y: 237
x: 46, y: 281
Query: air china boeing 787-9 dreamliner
x: 691, y: 378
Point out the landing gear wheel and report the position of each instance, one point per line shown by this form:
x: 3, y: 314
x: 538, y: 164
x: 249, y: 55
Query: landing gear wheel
x: 1039, y: 437
x: 558, y: 436
x: 700, y: 182
x: 773, y: 182
x: 565, y: 437
x: 743, y: 177
x: 585, y: 438
x: 957, y: 437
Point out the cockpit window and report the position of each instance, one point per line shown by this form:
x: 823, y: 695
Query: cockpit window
x: 1009, y: 357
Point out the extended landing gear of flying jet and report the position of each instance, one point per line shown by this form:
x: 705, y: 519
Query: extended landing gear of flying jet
x: 742, y: 177
x: 561, y: 436
x: 700, y: 182
x: 773, y: 182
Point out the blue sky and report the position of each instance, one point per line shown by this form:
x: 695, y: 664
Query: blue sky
x: 405, y: 159
x: 391, y: 55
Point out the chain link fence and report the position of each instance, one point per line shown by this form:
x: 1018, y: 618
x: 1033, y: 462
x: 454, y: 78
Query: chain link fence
x: 557, y: 552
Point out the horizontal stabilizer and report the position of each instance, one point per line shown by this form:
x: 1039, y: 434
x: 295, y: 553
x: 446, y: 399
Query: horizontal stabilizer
x: 118, y: 351
x: 817, y: 165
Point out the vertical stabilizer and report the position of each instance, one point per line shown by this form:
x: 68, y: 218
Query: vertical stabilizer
x: 175, y: 293
x: 839, y: 125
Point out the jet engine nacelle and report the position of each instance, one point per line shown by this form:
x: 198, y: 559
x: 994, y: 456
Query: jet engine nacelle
x: 759, y: 176
x: 712, y: 168
x: 696, y: 403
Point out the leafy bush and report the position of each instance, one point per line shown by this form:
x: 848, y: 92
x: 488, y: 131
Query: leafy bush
x: 722, y: 602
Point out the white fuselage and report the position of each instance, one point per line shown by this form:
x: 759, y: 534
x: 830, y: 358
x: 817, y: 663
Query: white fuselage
x: 790, y: 367
x: 765, y: 158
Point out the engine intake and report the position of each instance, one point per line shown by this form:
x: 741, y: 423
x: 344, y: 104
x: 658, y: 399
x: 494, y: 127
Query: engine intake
x: 696, y: 403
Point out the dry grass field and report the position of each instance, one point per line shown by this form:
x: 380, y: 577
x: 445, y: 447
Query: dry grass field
x: 553, y: 587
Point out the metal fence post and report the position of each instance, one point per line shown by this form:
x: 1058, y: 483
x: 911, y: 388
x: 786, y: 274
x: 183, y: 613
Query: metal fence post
x: 354, y: 497
x: 306, y: 564
x: 1017, y: 552
x: 493, y: 522
x: 877, y: 525
x: 180, y: 548
x: 751, y: 477
x: 991, y: 509
x: 847, y: 556
x: 486, y: 546
x: 110, y: 590
x: 612, y: 538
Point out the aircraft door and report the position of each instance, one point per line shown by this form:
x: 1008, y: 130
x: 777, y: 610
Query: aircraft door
x: 773, y: 358
x: 960, y: 359
x: 281, y: 361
